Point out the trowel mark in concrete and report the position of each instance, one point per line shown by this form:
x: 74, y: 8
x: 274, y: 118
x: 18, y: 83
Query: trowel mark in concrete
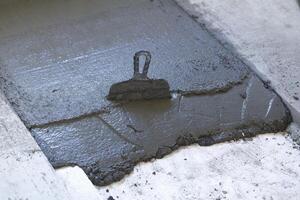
x: 108, y: 145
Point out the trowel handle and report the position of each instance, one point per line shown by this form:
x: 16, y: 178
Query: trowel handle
x: 136, y: 62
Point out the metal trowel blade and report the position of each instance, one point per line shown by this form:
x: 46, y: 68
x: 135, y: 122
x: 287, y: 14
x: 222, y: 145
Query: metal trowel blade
x: 132, y: 90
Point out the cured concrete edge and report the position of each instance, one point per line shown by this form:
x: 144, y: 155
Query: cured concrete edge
x: 294, y: 131
x: 219, y: 33
x: 25, y: 172
x: 78, y: 182
x: 181, y: 175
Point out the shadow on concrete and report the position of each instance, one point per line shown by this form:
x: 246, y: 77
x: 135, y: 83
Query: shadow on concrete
x: 298, y: 1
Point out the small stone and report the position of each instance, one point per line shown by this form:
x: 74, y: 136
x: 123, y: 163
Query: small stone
x: 110, y: 198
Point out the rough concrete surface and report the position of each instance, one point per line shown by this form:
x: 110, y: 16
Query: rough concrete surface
x: 57, y: 70
x: 265, y: 167
x: 25, y: 172
x: 266, y: 34
x: 294, y: 131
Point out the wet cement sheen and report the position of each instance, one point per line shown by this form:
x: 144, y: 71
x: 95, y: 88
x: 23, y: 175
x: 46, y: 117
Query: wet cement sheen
x: 62, y: 64
x: 109, y: 144
x: 59, y: 59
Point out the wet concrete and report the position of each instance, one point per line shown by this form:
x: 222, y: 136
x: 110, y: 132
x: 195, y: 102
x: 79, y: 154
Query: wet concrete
x: 62, y: 65
x: 57, y: 70
x: 108, y: 145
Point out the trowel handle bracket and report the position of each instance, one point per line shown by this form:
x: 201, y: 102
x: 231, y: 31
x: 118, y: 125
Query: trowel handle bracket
x: 136, y: 64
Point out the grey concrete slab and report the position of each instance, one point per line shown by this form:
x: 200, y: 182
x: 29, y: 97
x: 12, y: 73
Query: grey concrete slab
x: 108, y: 145
x: 57, y: 70
x: 79, y: 139
x: 62, y: 65
x: 88, y: 142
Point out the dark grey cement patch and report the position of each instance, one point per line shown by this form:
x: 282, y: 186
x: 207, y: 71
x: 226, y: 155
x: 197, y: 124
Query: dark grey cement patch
x: 65, y: 64
x: 57, y: 68
x: 109, y: 144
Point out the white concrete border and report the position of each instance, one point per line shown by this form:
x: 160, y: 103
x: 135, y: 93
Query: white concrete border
x: 265, y: 167
x: 25, y: 173
x: 265, y: 34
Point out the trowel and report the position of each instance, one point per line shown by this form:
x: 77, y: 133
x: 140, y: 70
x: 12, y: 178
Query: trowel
x: 140, y: 87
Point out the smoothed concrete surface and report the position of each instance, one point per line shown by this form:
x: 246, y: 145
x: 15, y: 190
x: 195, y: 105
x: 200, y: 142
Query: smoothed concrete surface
x: 59, y: 65
x: 56, y: 70
x: 265, y: 34
x: 109, y: 144
x: 285, y: 191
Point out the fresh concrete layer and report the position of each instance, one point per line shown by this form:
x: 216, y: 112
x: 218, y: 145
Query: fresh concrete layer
x: 109, y: 144
x: 25, y: 172
x: 58, y: 82
x: 59, y: 65
x: 265, y: 34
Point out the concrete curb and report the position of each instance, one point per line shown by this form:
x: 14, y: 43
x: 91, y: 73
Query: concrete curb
x: 269, y: 47
x: 25, y: 172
